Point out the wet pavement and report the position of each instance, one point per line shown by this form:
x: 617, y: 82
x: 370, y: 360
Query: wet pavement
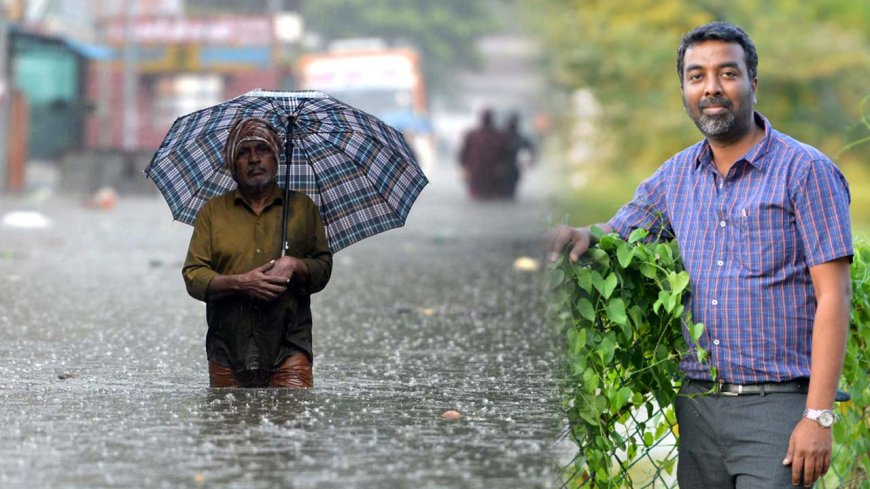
x: 103, y: 379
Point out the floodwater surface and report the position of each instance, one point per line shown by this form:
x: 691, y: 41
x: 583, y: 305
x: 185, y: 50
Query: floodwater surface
x: 103, y: 377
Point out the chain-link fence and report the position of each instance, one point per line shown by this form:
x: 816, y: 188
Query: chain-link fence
x: 653, y: 466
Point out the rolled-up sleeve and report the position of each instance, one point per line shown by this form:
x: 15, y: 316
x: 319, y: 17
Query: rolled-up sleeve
x: 198, y: 270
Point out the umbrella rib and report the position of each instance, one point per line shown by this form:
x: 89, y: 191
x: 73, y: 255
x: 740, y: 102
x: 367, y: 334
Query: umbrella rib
x: 316, y: 182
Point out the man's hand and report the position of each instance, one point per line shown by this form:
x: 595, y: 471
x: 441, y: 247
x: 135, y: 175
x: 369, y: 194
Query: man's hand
x: 259, y: 283
x: 560, y: 236
x: 809, y: 452
x: 291, y: 268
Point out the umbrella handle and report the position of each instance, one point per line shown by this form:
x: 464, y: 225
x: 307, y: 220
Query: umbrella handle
x: 288, y: 157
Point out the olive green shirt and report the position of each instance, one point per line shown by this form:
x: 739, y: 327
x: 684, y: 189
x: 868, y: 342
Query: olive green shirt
x: 230, y: 238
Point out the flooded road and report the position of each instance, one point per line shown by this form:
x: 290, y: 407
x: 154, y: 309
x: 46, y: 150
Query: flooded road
x: 103, y: 377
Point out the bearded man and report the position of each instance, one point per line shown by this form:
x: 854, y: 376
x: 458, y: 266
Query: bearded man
x: 762, y: 222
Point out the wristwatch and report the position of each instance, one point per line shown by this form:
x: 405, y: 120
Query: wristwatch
x: 824, y: 417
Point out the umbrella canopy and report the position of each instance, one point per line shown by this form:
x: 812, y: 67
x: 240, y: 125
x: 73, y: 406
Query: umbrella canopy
x: 358, y: 170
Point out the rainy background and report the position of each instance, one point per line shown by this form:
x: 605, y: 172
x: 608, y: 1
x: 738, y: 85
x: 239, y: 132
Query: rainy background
x: 102, y: 359
x: 103, y: 377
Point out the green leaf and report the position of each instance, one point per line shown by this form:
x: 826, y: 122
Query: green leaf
x: 572, y: 341
x: 600, y: 257
x: 556, y: 277
x: 581, y: 338
x: 606, y: 286
x: 701, y: 355
x: 672, y: 302
x: 608, y: 242
x: 586, y: 310
x: 663, y: 300
x: 665, y: 255
x: 622, y: 397
x: 648, y: 270
x: 678, y: 282
x: 597, y: 281
x: 627, y: 332
x: 637, y: 235
x: 596, y: 232
x: 695, y: 331
x: 615, y: 310
x: 591, y: 381
x: 584, y: 279
x: 607, y: 349
x: 636, y: 314
x: 624, y: 255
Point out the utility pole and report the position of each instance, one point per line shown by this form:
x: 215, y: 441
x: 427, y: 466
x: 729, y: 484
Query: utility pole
x: 5, y: 97
x: 130, y: 89
x: 104, y: 85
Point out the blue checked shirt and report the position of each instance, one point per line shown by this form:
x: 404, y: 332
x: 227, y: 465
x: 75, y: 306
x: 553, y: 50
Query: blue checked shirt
x: 748, y: 241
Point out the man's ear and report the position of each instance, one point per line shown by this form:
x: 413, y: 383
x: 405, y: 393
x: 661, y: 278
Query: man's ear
x: 755, y: 91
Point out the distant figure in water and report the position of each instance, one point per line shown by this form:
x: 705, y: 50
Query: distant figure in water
x: 484, y: 158
x: 258, y: 302
x: 520, y: 151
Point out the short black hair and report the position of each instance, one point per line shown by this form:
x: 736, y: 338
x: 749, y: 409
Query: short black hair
x: 719, y: 31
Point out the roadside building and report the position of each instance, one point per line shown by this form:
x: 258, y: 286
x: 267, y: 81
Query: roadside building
x: 183, y: 64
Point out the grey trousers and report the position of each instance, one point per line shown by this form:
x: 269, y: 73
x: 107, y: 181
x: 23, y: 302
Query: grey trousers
x: 733, y: 442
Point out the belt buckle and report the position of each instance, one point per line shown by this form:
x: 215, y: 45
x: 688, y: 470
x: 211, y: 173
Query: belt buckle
x: 730, y: 394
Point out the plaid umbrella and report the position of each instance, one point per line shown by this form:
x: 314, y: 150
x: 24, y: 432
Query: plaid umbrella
x: 359, y: 171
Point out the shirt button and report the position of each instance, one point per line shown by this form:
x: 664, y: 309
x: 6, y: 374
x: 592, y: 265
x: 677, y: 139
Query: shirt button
x: 714, y: 302
x: 720, y: 263
x: 716, y: 342
x: 722, y: 223
x: 258, y: 251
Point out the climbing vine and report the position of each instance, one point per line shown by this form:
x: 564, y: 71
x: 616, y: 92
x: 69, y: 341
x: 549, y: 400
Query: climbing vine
x: 620, y: 308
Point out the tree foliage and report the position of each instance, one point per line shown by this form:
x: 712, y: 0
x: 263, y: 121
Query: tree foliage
x: 814, y: 62
x: 444, y: 31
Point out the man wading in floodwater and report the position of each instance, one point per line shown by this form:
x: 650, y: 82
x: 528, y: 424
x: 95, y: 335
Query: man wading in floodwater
x: 258, y: 306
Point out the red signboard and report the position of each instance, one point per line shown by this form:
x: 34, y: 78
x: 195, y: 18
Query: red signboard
x: 236, y: 30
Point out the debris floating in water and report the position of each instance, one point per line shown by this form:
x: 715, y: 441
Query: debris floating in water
x: 451, y: 414
x: 426, y: 311
x: 527, y: 264
x: 67, y: 375
x: 26, y: 219
x: 104, y: 199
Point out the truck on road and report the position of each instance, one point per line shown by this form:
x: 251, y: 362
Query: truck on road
x: 385, y: 82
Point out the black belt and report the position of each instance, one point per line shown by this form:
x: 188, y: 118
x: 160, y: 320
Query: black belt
x: 797, y: 386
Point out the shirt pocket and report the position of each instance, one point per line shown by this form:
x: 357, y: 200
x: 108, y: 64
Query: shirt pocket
x: 767, y: 239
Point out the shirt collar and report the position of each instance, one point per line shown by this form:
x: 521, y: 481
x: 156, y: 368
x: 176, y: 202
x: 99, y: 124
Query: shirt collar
x: 755, y: 155
x: 276, y: 197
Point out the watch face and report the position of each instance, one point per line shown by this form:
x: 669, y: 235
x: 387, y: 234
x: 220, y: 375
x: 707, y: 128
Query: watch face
x: 826, y: 419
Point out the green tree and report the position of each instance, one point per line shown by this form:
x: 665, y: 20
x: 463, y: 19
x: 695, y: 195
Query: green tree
x: 444, y: 32
x: 813, y: 68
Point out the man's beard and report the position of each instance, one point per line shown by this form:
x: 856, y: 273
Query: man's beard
x: 729, y: 124
x: 261, y: 186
